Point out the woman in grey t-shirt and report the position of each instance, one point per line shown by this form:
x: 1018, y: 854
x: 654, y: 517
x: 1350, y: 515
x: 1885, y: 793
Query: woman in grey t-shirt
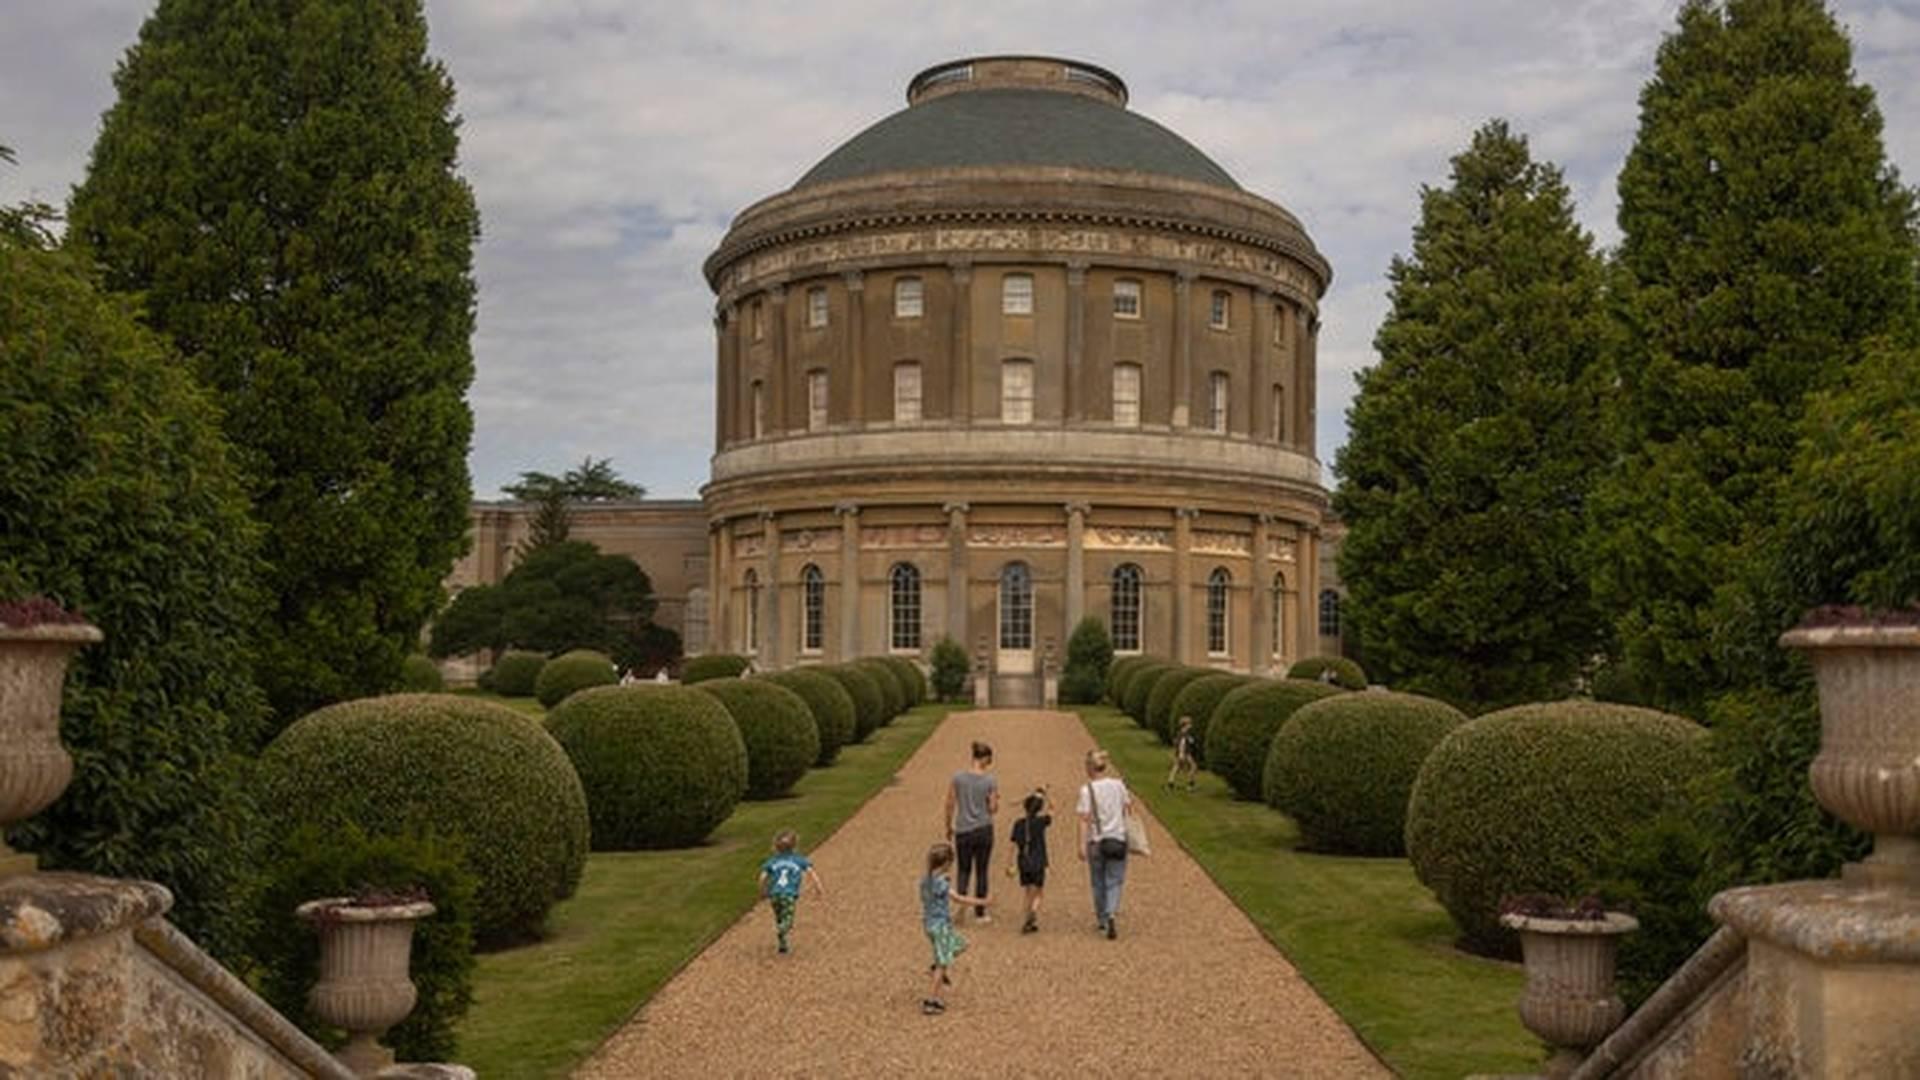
x: 972, y: 799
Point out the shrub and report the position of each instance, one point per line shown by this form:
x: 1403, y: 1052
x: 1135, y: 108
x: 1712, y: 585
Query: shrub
x: 1117, y: 674
x: 662, y: 765
x: 713, y: 666
x: 949, y: 670
x: 1131, y: 676
x: 1140, y: 687
x: 515, y: 672
x: 1343, y: 768
x: 1199, y: 698
x: 419, y: 675
x: 1242, y: 727
x: 869, y: 708
x: 1337, y: 670
x: 1518, y: 801
x: 1159, y: 711
x: 460, y: 768
x: 316, y: 863
x: 911, y: 678
x: 893, y: 689
x: 830, y: 704
x: 1089, y: 654
x: 571, y: 672
x: 777, y: 727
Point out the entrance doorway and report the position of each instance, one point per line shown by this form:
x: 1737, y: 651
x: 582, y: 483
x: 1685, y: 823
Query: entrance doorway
x: 1015, y: 654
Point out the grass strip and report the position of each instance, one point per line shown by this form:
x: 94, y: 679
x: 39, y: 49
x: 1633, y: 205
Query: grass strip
x: 1363, y: 931
x: 639, y: 917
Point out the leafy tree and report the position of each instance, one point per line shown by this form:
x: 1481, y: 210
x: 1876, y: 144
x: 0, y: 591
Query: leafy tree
x: 560, y: 597
x: 1764, y: 238
x: 950, y: 668
x: 1089, y: 653
x: 1473, y: 442
x: 276, y: 181
x: 593, y: 480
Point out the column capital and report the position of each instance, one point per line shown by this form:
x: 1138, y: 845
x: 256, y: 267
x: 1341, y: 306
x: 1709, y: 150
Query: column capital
x: 765, y: 516
x: 955, y: 508
x: 1076, y: 272
x: 777, y: 291
x: 847, y: 509
x: 1183, y: 279
x: 1079, y: 509
x: 1186, y: 513
x: 961, y: 269
x: 1267, y: 519
x: 856, y: 280
x: 716, y: 524
x: 1262, y: 295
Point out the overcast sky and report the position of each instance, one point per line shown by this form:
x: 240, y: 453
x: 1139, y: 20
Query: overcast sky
x: 611, y: 141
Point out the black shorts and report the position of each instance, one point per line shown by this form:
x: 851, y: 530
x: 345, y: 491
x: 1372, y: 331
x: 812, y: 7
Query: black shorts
x: 1034, y: 876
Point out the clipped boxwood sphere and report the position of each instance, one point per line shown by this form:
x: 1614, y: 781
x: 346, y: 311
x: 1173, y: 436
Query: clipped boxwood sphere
x: 456, y: 767
x: 713, y: 666
x: 869, y: 708
x: 1160, y: 702
x: 1517, y: 801
x: 1117, y: 673
x: 1140, y: 687
x: 893, y: 693
x: 830, y: 704
x: 513, y: 674
x: 911, y: 678
x: 419, y: 675
x: 1343, y: 768
x: 1242, y: 727
x: 1123, y: 680
x: 570, y: 672
x: 1338, y: 670
x: 662, y: 765
x: 1198, y: 699
x: 778, y: 728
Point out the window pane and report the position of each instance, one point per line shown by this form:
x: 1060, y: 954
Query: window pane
x: 906, y: 393
x: 1126, y: 299
x: 904, y: 608
x: 1329, y: 613
x: 1222, y: 303
x: 1016, y: 607
x: 813, y: 586
x: 906, y: 298
x: 1217, y: 612
x: 816, y: 401
x: 1126, y: 395
x: 1217, y: 403
x: 1279, y: 420
x: 1016, y: 392
x: 1125, y: 618
x: 759, y: 410
x: 816, y: 308
x: 1016, y: 294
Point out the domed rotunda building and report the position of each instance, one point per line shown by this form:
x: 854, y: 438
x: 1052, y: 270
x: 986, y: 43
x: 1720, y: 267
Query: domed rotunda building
x: 1009, y: 357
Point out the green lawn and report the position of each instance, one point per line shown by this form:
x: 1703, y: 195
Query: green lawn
x: 640, y: 916
x: 530, y: 706
x: 1364, y: 932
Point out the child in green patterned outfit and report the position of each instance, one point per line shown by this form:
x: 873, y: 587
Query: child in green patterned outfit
x: 780, y: 878
x: 936, y: 916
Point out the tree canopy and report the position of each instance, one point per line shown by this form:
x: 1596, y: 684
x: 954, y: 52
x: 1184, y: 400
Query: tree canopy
x: 566, y: 595
x: 593, y: 480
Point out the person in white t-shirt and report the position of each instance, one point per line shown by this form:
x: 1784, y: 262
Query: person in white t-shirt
x: 1102, y: 806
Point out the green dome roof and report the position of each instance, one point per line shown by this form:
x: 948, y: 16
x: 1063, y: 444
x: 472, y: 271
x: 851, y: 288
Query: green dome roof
x: 983, y: 127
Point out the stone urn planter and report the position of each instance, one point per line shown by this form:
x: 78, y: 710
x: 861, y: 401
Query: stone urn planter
x: 37, y: 639
x: 1569, y: 1000
x: 365, y: 948
x: 1867, y: 773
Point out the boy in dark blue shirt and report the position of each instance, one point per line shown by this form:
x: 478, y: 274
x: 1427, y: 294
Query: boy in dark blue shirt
x: 1030, y: 842
x: 780, y: 878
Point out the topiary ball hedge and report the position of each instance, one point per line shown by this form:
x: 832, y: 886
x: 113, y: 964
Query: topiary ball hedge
x: 1338, y: 670
x: 1160, y: 702
x: 1198, y: 699
x: 1242, y: 727
x: 1140, y: 686
x: 699, y: 669
x: 1122, y: 674
x: 1343, y: 768
x: 456, y: 767
x: 777, y: 727
x: 570, y: 672
x: 869, y: 708
x: 419, y: 675
x: 912, y: 679
x: 1518, y: 801
x: 893, y: 690
x: 830, y: 704
x: 515, y: 672
x: 662, y: 765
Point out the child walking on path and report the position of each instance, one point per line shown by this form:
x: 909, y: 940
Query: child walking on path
x: 1030, y: 842
x: 936, y: 916
x: 1184, y: 758
x: 780, y: 878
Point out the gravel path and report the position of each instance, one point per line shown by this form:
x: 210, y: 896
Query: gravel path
x: 1189, y: 989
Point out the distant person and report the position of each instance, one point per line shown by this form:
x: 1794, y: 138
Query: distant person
x: 628, y: 678
x: 1184, y: 758
x: 662, y: 677
x: 780, y: 878
x: 936, y: 917
x: 1030, y: 846
x: 972, y: 799
x: 1102, y: 808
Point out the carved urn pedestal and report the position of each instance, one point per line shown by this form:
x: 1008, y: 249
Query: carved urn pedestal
x: 364, y: 955
x: 34, y: 766
x: 1569, y: 1001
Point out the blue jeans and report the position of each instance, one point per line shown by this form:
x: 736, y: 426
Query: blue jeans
x: 1107, y: 876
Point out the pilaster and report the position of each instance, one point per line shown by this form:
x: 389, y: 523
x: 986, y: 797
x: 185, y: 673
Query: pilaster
x: 960, y: 362
x: 1076, y: 598
x: 724, y: 348
x: 1182, y: 396
x: 1073, y: 402
x: 1260, y: 382
x: 772, y: 637
x: 957, y: 572
x: 856, y: 339
x: 777, y: 342
x: 1183, y: 583
x: 850, y: 580
x: 1263, y: 597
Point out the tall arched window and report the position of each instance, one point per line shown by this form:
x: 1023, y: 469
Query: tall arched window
x: 1219, y: 584
x: 906, y: 392
x: 1125, y: 616
x: 1016, y: 294
x: 903, y: 608
x: 752, y: 621
x: 813, y: 608
x: 1126, y: 395
x: 1217, y: 403
x: 1016, y: 392
x: 1329, y: 613
x: 1016, y: 607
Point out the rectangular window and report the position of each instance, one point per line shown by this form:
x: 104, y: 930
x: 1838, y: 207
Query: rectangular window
x: 816, y: 401
x: 1222, y: 310
x: 1126, y: 299
x: 816, y: 308
x: 759, y: 409
x: 908, y: 301
x: 1279, y: 325
x: 1217, y: 403
x: 1016, y: 392
x: 759, y: 321
x: 906, y: 393
x: 1279, y: 414
x: 1016, y: 294
x: 1126, y: 395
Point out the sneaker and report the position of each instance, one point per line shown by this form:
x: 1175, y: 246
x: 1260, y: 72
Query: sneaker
x: 1111, y: 931
x: 1030, y: 925
x: 932, y: 1006
x: 785, y: 948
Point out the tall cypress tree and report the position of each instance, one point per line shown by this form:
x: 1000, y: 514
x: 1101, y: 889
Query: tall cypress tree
x: 1764, y: 238
x: 277, y: 182
x: 1472, y: 443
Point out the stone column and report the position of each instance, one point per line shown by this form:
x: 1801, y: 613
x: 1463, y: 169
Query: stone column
x: 1301, y: 407
x: 957, y: 574
x: 723, y: 393
x: 772, y: 637
x: 849, y: 580
x: 1182, y: 399
x: 1264, y: 599
x: 1183, y: 583
x: 1260, y: 382
x: 719, y: 582
x: 856, y: 348
x: 1073, y: 403
x: 1309, y: 556
x: 777, y: 341
x: 960, y: 362
x: 1076, y: 599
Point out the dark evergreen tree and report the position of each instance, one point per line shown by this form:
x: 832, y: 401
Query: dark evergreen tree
x: 593, y: 480
x: 276, y: 181
x: 1472, y: 443
x: 559, y: 597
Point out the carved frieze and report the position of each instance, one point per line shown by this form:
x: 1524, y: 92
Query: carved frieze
x: 1208, y: 542
x: 1280, y: 549
x: 1110, y: 538
x: 1017, y: 536
x: 890, y: 537
x: 805, y: 540
x: 749, y: 546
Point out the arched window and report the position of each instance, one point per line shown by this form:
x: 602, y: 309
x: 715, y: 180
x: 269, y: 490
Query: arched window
x: 813, y: 608
x: 908, y: 300
x: 1016, y: 392
x: 1016, y: 294
x: 1124, y: 619
x: 1126, y: 395
x: 1016, y: 607
x: 759, y: 409
x: 1217, y: 403
x: 752, y: 621
x: 1126, y: 299
x: 1220, y: 314
x: 1218, y: 586
x: 906, y: 393
x: 903, y: 607
x: 1279, y: 420
x: 1329, y: 613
